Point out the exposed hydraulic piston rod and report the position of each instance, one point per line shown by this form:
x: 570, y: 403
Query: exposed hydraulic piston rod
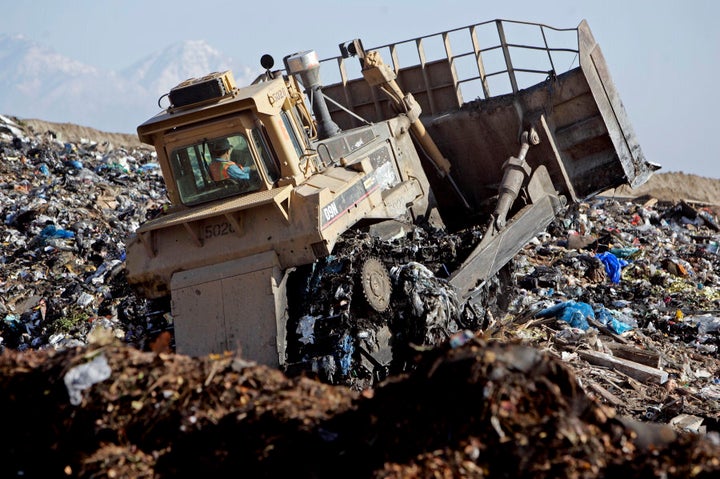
x: 516, y: 169
x: 381, y: 75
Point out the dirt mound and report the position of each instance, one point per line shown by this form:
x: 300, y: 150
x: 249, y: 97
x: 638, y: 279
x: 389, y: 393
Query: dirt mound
x: 483, y: 409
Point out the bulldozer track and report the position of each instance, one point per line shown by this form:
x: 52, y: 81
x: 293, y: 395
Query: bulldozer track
x: 359, y: 313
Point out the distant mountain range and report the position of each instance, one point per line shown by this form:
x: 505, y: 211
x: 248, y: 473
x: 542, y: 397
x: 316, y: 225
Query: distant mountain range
x: 37, y: 82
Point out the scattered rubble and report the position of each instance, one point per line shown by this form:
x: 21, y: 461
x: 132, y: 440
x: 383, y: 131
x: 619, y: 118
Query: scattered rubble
x: 605, y: 362
x: 661, y: 363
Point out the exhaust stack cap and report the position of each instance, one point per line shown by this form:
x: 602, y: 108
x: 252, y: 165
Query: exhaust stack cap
x: 306, y: 65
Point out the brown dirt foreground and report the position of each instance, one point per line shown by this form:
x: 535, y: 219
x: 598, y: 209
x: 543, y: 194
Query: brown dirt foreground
x: 484, y: 409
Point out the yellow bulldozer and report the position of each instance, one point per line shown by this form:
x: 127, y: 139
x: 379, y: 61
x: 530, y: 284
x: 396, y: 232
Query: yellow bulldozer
x: 297, y: 207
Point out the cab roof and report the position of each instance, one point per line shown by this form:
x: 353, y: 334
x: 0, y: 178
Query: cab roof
x: 264, y: 98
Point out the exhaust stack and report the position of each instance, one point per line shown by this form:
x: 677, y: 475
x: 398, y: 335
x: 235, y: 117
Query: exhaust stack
x: 307, y: 66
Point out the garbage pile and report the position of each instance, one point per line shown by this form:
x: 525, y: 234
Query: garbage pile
x: 627, y: 293
x: 605, y: 361
x: 67, y: 208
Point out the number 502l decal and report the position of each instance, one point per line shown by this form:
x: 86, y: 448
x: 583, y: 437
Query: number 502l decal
x: 218, y: 229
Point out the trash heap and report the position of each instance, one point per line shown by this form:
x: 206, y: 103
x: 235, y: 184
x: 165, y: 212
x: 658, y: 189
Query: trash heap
x: 627, y: 293
x: 67, y: 208
x: 604, y: 363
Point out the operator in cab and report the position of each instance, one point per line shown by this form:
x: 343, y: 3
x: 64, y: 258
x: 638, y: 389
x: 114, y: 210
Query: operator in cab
x: 221, y: 167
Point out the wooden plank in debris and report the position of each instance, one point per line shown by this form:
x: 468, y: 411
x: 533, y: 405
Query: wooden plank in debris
x: 641, y: 372
x: 642, y: 356
x: 604, y: 393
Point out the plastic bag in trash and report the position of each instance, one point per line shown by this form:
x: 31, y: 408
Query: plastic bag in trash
x: 76, y: 164
x: 609, y: 318
x: 148, y: 167
x: 572, y: 312
x: 43, y: 168
x: 613, y: 265
x: 52, y: 231
x: 705, y: 323
x: 85, y: 375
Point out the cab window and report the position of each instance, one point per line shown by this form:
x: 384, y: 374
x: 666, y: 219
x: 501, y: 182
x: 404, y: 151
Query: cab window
x: 270, y: 166
x: 291, y: 132
x: 215, y: 168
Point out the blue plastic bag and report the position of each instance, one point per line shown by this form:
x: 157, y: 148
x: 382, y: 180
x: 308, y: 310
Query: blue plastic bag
x: 76, y: 164
x: 52, y: 231
x: 607, y: 318
x: 576, y: 314
x: 572, y: 312
x: 613, y: 265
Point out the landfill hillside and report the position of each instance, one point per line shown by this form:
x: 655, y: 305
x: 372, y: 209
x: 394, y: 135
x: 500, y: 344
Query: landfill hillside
x: 77, y: 133
x: 603, y: 364
x: 676, y: 187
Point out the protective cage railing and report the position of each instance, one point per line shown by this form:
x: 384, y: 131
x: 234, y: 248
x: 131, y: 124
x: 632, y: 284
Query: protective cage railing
x: 482, y: 61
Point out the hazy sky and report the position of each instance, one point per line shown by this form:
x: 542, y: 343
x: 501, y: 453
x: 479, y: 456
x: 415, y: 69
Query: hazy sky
x: 664, y: 55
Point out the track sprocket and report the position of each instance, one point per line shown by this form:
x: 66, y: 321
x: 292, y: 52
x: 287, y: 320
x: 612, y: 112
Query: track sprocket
x: 376, y: 284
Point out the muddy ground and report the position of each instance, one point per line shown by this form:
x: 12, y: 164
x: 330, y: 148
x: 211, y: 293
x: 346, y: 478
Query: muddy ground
x: 515, y: 400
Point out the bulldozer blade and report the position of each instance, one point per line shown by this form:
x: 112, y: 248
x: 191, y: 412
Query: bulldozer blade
x: 490, y: 256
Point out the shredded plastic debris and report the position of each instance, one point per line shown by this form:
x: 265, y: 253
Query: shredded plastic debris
x: 85, y: 375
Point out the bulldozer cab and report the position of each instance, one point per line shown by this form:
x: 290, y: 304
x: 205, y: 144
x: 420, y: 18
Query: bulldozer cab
x: 266, y: 130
